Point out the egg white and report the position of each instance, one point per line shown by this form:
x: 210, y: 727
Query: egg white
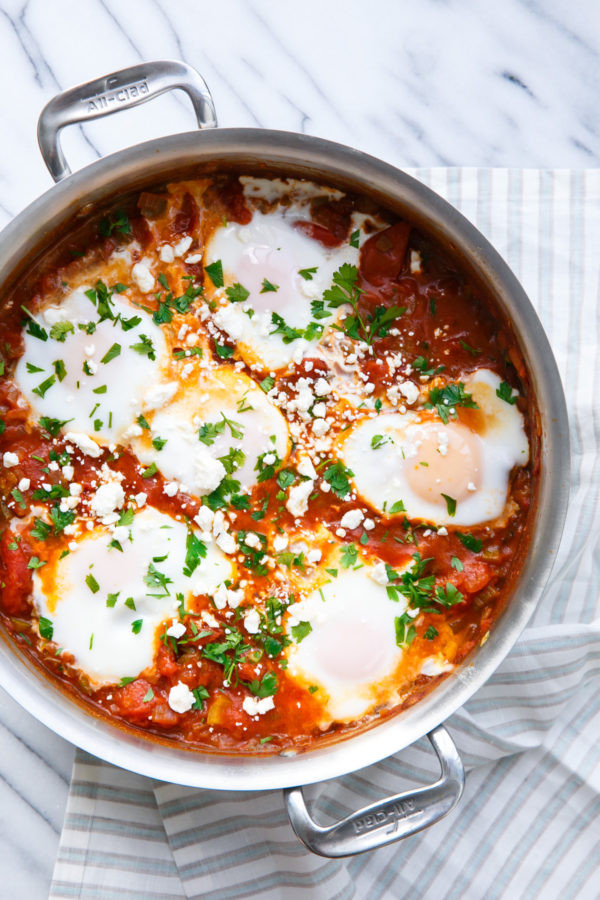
x: 101, y: 637
x: 254, y: 425
x: 271, y: 248
x: 126, y: 376
x: 386, y: 454
x: 351, y: 653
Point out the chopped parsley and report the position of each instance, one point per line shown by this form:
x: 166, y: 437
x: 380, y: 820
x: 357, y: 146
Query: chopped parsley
x: 445, y: 400
x: 92, y: 583
x: 215, y: 273
x: 505, y: 392
x: 111, y: 353
x: 144, y: 347
x: 267, y: 286
x: 470, y: 542
x: 45, y: 628
x: 450, y: 504
x: 337, y: 476
x: 237, y: 293
x: 307, y: 274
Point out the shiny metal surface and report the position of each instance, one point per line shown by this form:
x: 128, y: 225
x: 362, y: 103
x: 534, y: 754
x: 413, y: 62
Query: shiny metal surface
x: 113, y: 93
x: 387, y: 820
x: 260, y: 151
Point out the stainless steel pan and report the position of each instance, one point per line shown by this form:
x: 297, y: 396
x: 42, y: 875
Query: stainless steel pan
x: 217, y: 149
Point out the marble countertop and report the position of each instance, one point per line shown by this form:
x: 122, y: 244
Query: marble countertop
x: 439, y: 82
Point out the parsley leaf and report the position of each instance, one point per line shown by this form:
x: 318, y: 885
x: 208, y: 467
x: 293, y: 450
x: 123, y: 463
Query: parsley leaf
x: 215, y: 273
x: 505, y: 392
x: 446, y: 399
x: 237, y: 293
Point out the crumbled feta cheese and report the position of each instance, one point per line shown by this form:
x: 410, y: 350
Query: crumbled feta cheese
x: 143, y: 277
x: 208, y: 472
x: 280, y: 542
x: 170, y: 488
x: 181, y: 699
x: 379, y: 573
x: 322, y: 387
x: 368, y: 524
x: 204, y: 518
x: 166, y: 253
x: 320, y: 427
x: 24, y: 484
x: 442, y: 530
x: 107, y: 499
x: 68, y: 471
x: 252, y: 540
x: 319, y: 410
x: 10, y: 459
x: 314, y: 556
x: 269, y: 458
x: 297, y: 502
x: 193, y: 258
x: 306, y: 468
x: 176, y: 630
x: 255, y: 707
x: 415, y: 262
x: 471, y: 486
x: 409, y: 390
x: 352, y: 519
x: 183, y: 245
x: 228, y: 319
x: 140, y: 499
x: 252, y: 622
x: 226, y: 542
x: 160, y: 394
x: 75, y: 489
x: 84, y: 443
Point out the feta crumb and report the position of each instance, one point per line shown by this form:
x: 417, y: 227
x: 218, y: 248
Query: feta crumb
x: 379, y: 573
x: 471, y: 486
x: 140, y: 499
x: 314, y: 556
x: 181, y: 699
x: 322, y: 387
x: 226, y: 542
x: 10, y: 459
x: 170, y: 488
x: 320, y: 427
x: 208, y: 472
x: 255, y: 707
x: 352, y: 519
x: 166, y: 253
x: 75, y: 489
x: 409, y: 390
x: 107, y: 499
x: 252, y: 540
x: 368, y: 524
x: 306, y: 468
x: 415, y: 262
x: 443, y: 530
x: 280, y: 542
x: 252, y: 622
x: 84, y: 443
x: 68, y: 471
x: 204, y: 518
x: 143, y: 277
x: 183, y: 245
x: 193, y: 258
x: 297, y: 502
x: 176, y: 630
x: 160, y: 394
x: 24, y: 484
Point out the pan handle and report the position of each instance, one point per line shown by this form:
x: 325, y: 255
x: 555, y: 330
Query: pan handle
x: 387, y: 820
x: 113, y: 93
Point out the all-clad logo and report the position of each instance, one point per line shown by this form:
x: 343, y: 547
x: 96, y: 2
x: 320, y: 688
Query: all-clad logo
x: 391, y: 815
x: 113, y: 98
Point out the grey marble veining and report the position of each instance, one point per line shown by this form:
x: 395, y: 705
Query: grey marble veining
x: 438, y: 82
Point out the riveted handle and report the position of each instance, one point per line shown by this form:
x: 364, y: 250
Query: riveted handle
x: 113, y: 93
x: 387, y: 820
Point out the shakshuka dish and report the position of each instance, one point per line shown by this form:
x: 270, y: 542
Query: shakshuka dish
x: 268, y: 456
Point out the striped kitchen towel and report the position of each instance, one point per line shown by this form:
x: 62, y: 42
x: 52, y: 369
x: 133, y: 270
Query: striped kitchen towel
x: 528, y: 825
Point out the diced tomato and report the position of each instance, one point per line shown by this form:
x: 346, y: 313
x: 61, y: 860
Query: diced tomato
x: 231, y: 194
x: 318, y: 233
x: 474, y: 577
x: 166, y: 662
x: 333, y: 215
x: 15, y: 577
x: 187, y: 218
x: 382, y: 255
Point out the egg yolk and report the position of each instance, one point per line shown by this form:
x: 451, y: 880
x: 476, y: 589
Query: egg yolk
x: 447, y: 461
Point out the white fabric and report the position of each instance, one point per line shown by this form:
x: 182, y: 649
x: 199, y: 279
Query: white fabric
x: 528, y: 823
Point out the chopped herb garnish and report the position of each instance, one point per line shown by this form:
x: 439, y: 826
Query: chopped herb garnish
x: 337, y: 476
x: 111, y: 353
x: 446, y: 399
x: 92, y: 583
x: 355, y: 238
x: 60, y: 330
x: 307, y: 274
x: 215, y: 273
x: 45, y: 628
x: 151, y: 470
x: 237, y: 293
x: 267, y: 286
x: 470, y: 542
x: 450, y: 504
x: 301, y: 630
x: 431, y: 633
x: 42, y: 389
x: 136, y: 626
x: 348, y: 556
x: 505, y: 392
x: 144, y: 347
